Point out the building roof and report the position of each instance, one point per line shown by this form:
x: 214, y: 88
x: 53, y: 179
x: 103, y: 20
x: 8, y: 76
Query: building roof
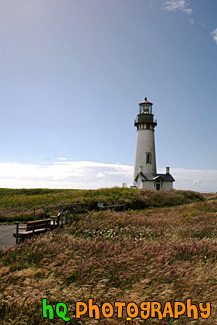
x: 154, y: 177
x: 145, y: 101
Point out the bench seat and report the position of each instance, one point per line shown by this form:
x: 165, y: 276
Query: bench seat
x: 32, y: 228
x: 23, y: 233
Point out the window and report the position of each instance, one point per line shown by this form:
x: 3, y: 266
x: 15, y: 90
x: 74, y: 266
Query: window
x: 148, y: 158
x: 150, y: 109
x: 144, y: 110
x: 147, y: 126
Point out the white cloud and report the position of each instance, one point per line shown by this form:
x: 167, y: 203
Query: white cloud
x: 62, y: 158
x: 214, y: 35
x: 100, y: 175
x: 92, y: 175
x: 174, y: 5
x: 203, y: 25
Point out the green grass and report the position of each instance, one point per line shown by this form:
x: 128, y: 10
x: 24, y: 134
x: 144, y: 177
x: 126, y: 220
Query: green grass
x: 17, y: 204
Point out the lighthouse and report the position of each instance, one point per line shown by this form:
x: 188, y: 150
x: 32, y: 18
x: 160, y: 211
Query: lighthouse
x: 145, y: 169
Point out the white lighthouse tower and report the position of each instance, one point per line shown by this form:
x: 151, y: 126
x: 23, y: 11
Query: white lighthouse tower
x: 145, y: 144
x: 145, y: 170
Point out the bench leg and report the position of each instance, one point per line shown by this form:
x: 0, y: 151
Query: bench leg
x: 54, y: 223
x: 17, y: 232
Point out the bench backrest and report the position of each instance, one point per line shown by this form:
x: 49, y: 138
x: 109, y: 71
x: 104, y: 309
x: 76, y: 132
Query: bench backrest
x: 39, y: 224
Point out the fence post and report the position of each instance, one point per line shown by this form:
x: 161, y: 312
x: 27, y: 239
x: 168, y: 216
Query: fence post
x: 43, y: 207
x: 54, y: 222
x: 17, y: 231
x: 34, y: 212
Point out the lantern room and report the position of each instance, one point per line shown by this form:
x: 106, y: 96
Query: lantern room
x: 145, y: 107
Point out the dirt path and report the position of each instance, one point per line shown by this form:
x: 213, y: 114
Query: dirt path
x: 6, y: 235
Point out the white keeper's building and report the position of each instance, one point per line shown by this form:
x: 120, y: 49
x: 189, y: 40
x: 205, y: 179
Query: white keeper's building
x: 145, y: 170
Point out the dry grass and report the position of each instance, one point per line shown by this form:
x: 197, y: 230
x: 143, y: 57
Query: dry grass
x: 157, y: 254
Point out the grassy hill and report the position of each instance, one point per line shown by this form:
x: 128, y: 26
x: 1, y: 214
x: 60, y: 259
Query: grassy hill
x: 164, y: 251
x: 17, y: 204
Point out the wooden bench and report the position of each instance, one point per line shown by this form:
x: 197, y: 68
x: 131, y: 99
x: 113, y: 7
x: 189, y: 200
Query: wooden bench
x: 31, y: 228
x: 114, y: 206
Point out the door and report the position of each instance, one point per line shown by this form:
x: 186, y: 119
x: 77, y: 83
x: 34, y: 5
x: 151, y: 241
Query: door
x: 158, y: 185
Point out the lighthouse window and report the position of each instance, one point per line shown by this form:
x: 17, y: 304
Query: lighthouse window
x: 150, y: 109
x: 148, y: 158
x: 144, y: 110
x: 147, y: 126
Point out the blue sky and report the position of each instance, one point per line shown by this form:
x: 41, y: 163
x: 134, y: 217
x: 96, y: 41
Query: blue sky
x: 72, y: 73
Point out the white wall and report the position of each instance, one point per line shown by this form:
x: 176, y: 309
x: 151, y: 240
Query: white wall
x: 145, y: 143
x: 167, y: 186
x: 149, y: 185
